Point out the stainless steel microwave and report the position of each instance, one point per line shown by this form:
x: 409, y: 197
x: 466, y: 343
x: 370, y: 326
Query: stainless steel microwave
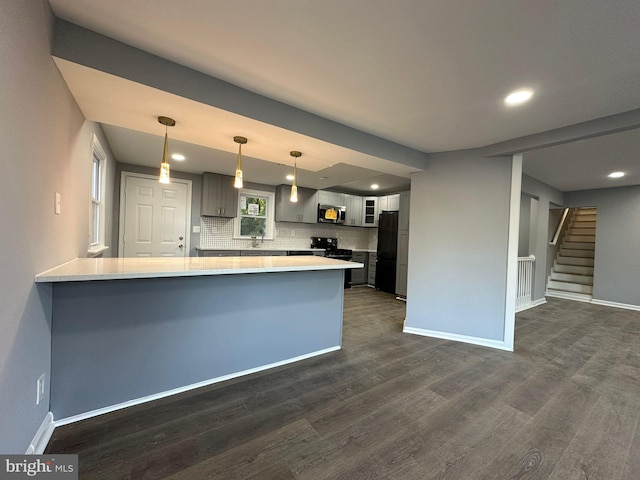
x: 331, y: 214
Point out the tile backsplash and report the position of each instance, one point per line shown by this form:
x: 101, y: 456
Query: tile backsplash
x: 218, y: 233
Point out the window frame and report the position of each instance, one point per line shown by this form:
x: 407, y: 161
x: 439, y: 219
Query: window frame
x: 269, y: 217
x: 97, y: 239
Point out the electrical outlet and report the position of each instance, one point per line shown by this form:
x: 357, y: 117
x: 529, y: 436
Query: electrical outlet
x: 293, y: 233
x: 40, y: 389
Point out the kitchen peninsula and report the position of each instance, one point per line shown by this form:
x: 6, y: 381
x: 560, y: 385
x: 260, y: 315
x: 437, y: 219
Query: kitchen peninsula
x: 127, y: 330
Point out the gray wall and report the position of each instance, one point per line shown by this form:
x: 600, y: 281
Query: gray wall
x: 617, y: 258
x: 546, y: 196
x: 458, y: 245
x: 46, y: 148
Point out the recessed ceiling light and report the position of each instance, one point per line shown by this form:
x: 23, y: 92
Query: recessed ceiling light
x: 322, y: 178
x: 178, y: 156
x: 616, y: 174
x: 518, y: 97
x: 375, y: 186
x: 289, y: 177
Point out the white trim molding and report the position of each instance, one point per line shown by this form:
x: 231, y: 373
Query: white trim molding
x: 533, y: 304
x: 485, y: 342
x: 606, y: 303
x: 42, y: 436
x: 175, y: 391
x: 512, y: 255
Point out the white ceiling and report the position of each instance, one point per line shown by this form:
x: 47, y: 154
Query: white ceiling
x: 427, y: 74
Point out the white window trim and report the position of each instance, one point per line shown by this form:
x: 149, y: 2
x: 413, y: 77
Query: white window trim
x: 99, y: 247
x: 271, y: 200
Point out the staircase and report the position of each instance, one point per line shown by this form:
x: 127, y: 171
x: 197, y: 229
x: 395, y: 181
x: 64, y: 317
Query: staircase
x: 572, y: 272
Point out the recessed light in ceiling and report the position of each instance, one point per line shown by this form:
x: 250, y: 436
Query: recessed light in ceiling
x: 178, y: 156
x: 322, y: 178
x: 375, y: 186
x: 518, y: 97
x: 616, y: 174
x: 290, y: 177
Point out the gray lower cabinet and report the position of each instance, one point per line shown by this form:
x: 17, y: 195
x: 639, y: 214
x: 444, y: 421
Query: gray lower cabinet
x: 219, y: 197
x: 218, y: 253
x: 359, y: 275
x: 305, y: 210
x: 371, y: 267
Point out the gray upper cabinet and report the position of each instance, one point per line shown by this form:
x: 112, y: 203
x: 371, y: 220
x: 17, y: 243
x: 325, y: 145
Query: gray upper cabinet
x: 305, y: 210
x: 389, y: 203
x: 331, y: 198
x: 219, y: 197
x: 370, y: 212
x: 354, y: 210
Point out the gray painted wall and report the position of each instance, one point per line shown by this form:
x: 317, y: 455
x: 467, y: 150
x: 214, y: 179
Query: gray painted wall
x: 546, y: 196
x: 46, y: 148
x: 458, y: 245
x: 115, y: 341
x: 617, y: 258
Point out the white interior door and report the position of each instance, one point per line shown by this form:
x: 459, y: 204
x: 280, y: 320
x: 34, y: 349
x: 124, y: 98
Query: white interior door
x: 155, y: 218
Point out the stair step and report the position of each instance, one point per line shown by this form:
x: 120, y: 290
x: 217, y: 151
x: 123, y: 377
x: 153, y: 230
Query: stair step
x: 587, y: 210
x: 581, y: 224
x: 580, y: 297
x: 579, y: 245
x: 585, y: 262
x: 571, y: 252
x: 572, y: 278
x: 581, y: 231
x: 584, y: 217
x: 577, y: 269
x: 581, y: 238
x: 570, y: 287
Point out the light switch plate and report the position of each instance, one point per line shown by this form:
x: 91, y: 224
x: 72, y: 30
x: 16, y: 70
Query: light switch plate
x: 58, y: 199
x: 196, y: 229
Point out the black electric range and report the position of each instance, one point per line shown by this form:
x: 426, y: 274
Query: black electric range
x: 331, y: 250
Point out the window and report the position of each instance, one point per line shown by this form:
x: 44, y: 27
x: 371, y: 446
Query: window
x: 98, y: 219
x: 255, y: 214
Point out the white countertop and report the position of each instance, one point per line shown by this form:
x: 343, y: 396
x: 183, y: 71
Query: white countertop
x: 257, y: 249
x: 85, y: 269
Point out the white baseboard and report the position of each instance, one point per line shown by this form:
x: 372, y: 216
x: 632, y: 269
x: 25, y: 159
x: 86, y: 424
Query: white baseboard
x: 175, y: 391
x: 606, y: 303
x: 535, y: 303
x: 42, y: 436
x: 485, y: 342
x: 578, y: 297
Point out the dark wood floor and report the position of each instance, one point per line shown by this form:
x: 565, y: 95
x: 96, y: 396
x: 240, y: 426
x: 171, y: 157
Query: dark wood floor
x: 565, y: 405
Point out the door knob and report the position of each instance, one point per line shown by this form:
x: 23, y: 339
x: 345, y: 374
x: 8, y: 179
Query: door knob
x: 180, y: 237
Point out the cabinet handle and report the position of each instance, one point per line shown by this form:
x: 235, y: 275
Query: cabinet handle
x: 219, y: 213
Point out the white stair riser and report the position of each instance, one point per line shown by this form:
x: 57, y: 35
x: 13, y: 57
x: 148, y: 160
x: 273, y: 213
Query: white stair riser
x: 570, y: 287
x: 586, y: 262
x: 579, y: 245
x: 577, y: 269
x: 569, y: 277
x: 569, y: 252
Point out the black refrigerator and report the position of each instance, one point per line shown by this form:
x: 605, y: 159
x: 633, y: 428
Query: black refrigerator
x: 387, y: 252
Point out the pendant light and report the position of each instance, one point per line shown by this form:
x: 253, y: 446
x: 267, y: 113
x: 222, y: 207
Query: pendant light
x: 165, y: 177
x: 238, y: 180
x: 294, y: 183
